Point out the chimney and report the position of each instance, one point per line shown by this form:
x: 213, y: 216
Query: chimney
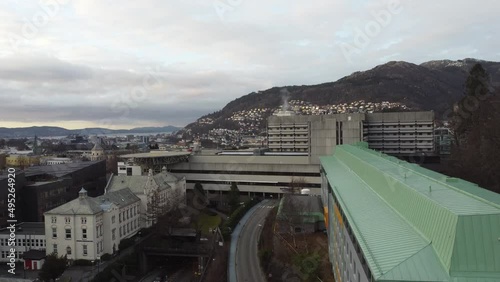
x: 82, y: 194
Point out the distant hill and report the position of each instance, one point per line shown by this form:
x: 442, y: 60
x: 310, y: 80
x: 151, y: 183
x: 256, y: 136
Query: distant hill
x: 433, y: 85
x: 59, y: 131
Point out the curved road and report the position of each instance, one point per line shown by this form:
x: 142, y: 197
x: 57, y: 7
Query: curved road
x: 244, y: 263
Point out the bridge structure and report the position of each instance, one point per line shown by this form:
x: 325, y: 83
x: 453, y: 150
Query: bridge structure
x: 155, y: 160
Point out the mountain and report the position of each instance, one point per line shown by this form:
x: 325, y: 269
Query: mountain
x: 433, y: 85
x: 59, y: 131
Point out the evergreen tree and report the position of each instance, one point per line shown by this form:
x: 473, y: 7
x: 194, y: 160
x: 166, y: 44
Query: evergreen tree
x: 477, y: 87
x: 234, y: 197
x: 53, y: 267
x: 200, y: 199
x: 475, y: 154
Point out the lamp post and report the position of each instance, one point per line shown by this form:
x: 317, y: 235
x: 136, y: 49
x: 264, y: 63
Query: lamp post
x: 98, y: 264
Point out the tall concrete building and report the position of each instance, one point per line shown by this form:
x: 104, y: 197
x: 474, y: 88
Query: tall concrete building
x: 313, y: 136
x: 389, y: 220
x: 402, y: 133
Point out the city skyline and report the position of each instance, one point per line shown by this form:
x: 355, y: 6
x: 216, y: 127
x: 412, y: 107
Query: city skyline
x: 95, y: 64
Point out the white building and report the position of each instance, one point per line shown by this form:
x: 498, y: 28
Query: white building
x: 129, y: 169
x: 87, y: 228
x: 29, y: 236
x: 164, y: 187
x: 54, y: 161
x: 97, y: 153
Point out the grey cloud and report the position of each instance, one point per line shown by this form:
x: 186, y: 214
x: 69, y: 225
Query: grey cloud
x: 200, y: 62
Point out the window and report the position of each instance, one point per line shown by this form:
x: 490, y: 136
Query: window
x: 67, y: 220
x: 84, y: 220
x: 68, y: 250
x: 120, y: 231
x: 120, y: 217
x: 68, y: 233
x: 54, y: 232
x: 54, y: 219
x: 84, y: 250
x: 113, y: 237
x: 97, y: 231
x: 84, y: 233
x: 54, y: 247
x: 113, y: 219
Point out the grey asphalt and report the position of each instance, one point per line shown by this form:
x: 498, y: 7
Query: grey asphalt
x: 244, y: 263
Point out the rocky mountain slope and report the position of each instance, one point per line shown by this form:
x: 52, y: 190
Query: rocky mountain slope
x: 433, y: 85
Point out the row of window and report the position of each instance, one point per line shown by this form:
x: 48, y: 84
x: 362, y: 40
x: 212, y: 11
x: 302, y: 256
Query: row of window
x: 400, y: 142
x: 413, y: 134
x: 288, y: 150
x: 287, y: 135
x: 84, y: 249
x: 67, y: 219
x: 277, y: 173
x: 126, y: 229
x: 280, y: 184
x: 399, y: 125
x: 351, y: 235
x: 129, y: 213
x: 24, y: 242
x: 6, y: 253
x: 68, y: 233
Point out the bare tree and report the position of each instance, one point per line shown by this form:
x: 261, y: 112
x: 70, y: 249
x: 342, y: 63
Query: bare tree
x: 297, y: 184
x: 291, y: 216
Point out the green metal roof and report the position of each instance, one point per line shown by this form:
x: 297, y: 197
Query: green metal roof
x: 404, y: 215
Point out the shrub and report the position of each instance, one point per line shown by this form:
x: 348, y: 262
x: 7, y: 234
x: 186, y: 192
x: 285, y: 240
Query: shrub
x: 82, y: 262
x: 125, y: 243
x: 106, y: 257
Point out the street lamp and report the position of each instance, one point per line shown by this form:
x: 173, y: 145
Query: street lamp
x: 98, y: 264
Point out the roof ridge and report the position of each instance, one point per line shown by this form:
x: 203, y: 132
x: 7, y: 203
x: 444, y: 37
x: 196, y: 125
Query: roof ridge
x: 411, y: 257
x: 435, y: 180
x: 387, y: 203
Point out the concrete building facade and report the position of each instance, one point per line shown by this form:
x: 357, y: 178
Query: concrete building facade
x: 255, y: 175
x: 313, y: 136
x: 398, y: 133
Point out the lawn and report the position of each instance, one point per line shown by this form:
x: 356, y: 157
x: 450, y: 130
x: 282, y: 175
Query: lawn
x: 206, y: 222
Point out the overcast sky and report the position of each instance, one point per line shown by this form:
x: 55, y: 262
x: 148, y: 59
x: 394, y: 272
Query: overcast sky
x: 122, y: 64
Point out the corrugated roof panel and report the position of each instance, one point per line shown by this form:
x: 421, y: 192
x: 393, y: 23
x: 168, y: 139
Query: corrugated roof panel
x: 420, y: 267
x: 386, y: 239
x: 477, y: 245
x: 460, y: 220
x: 412, y: 205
